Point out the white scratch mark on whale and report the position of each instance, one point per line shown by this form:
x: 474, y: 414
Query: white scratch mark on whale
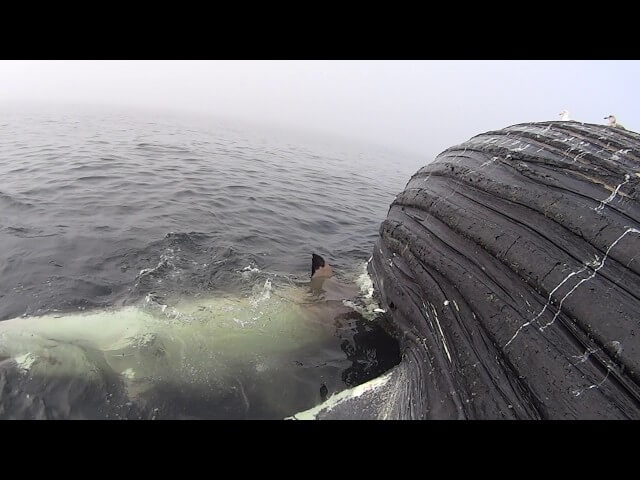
x: 599, y: 208
x: 598, y: 266
x: 444, y: 342
x: 595, y: 272
x: 544, y: 308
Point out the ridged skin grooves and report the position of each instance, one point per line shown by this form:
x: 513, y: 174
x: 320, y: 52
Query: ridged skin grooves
x: 510, y: 271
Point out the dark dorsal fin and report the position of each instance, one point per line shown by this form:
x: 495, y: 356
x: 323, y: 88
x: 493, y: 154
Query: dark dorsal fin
x: 316, y: 262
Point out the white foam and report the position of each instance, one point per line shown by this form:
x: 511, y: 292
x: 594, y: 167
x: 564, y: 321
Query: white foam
x: 365, y: 283
x: 264, y: 295
x: 248, y: 271
x: 25, y: 361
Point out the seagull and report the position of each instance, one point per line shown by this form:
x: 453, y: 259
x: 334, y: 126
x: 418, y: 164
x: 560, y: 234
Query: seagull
x: 564, y: 116
x: 613, y: 122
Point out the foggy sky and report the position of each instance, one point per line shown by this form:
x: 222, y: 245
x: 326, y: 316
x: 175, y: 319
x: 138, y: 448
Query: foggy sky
x: 418, y: 106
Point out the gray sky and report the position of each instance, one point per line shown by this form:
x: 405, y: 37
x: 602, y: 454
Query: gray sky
x: 419, y: 106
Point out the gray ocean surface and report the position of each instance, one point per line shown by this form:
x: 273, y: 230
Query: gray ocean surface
x: 101, y: 211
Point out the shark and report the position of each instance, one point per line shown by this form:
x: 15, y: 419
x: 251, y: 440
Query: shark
x: 232, y: 352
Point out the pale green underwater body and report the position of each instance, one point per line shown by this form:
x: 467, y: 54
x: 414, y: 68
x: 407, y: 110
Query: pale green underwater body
x: 271, y: 343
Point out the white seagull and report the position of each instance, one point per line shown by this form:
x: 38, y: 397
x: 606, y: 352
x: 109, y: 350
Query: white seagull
x: 613, y: 122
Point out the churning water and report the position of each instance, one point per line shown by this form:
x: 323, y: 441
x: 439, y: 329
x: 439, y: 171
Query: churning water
x: 158, y: 268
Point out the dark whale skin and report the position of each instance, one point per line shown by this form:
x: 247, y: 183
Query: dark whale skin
x: 510, y: 271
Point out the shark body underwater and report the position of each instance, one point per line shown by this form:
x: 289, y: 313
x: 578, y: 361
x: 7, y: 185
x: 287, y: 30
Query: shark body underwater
x: 265, y: 355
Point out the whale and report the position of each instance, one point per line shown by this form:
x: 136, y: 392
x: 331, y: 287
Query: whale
x: 509, y: 270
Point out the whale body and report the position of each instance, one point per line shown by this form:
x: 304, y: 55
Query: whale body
x: 510, y: 271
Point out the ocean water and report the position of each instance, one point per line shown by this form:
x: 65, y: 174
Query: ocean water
x: 158, y: 267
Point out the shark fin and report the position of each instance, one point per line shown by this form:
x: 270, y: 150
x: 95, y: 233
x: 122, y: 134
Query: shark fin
x: 320, y: 268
